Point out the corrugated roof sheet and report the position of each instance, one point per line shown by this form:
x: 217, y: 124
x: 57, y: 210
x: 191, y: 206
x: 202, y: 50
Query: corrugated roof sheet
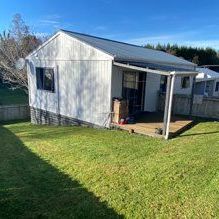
x: 128, y: 52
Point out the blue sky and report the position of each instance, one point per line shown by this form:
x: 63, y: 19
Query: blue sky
x: 193, y: 22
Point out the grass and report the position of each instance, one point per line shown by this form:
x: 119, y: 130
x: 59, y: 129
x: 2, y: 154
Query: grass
x: 75, y: 172
x: 9, y: 96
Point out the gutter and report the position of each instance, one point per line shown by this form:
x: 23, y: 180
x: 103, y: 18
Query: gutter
x: 184, y: 73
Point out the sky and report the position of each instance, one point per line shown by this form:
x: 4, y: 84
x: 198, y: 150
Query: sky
x: 185, y: 22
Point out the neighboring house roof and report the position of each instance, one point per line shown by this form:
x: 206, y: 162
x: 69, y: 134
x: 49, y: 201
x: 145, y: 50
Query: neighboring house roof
x: 127, y: 52
x: 212, y: 67
x: 206, y: 74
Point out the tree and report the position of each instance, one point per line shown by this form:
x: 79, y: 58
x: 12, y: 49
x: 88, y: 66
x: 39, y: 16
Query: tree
x: 16, y: 43
x: 199, y: 56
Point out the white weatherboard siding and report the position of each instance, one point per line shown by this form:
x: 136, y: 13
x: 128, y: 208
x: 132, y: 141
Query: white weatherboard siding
x: 85, y: 90
x: 151, y: 92
x: 178, y: 88
x: 84, y: 80
x: 38, y: 98
x: 63, y: 47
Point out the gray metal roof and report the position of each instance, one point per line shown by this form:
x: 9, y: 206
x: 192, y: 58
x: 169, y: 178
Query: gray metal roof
x: 206, y: 74
x: 128, y: 52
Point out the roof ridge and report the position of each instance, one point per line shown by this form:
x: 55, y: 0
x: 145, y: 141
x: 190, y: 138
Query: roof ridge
x: 102, y: 38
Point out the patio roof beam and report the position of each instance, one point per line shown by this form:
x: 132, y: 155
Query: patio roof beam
x: 167, y: 73
x: 184, y: 73
x: 142, y: 69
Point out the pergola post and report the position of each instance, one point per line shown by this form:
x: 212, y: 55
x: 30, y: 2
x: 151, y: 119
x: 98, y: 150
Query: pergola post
x: 168, y: 105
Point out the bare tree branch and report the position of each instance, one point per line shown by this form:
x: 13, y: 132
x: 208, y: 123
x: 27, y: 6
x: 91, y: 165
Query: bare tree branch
x: 16, y: 43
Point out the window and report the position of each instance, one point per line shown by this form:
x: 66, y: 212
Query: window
x: 163, y: 83
x: 130, y: 80
x: 45, y: 79
x: 133, y: 90
x: 185, y: 82
x: 217, y: 87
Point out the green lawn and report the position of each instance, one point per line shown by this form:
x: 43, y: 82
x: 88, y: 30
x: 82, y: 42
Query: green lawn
x: 75, y: 172
x: 9, y: 96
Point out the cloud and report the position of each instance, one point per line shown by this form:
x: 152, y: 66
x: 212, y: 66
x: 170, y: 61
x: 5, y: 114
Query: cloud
x: 41, y: 34
x: 52, y: 17
x: 49, y: 22
x: 150, y: 39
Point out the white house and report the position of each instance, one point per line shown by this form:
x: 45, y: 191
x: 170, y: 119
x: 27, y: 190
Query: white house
x: 207, y: 82
x: 74, y: 77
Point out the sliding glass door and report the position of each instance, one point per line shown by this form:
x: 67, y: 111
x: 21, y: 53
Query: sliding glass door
x: 133, y: 90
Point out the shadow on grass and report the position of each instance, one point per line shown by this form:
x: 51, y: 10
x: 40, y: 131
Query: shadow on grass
x: 13, y: 121
x: 195, y: 123
x: 32, y: 188
x: 198, y: 133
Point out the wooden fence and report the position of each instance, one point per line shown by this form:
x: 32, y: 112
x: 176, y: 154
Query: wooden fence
x: 14, y: 112
x: 207, y: 107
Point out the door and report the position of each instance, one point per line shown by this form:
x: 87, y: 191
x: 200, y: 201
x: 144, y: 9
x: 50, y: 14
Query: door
x: 133, y: 90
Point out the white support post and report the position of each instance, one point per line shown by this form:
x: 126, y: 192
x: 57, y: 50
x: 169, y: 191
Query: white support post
x: 172, y: 81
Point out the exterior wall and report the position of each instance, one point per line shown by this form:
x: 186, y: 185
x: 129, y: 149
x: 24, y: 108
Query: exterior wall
x: 82, y: 80
x: 151, y: 92
x: 63, y: 47
x: 179, y: 90
x: 41, y: 117
x: 199, y: 88
x: 39, y: 98
x: 152, y: 87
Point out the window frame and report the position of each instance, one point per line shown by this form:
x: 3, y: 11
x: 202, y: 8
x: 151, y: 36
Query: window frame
x: 41, y: 84
x: 182, y: 82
